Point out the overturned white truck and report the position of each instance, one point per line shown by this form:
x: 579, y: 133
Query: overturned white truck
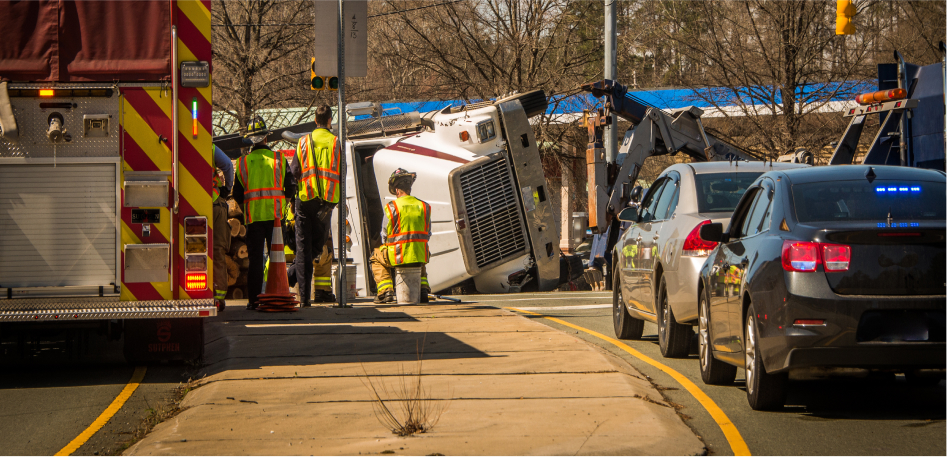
x: 479, y: 168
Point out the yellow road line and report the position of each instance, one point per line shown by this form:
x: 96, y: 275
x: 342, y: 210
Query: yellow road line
x: 103, y: 418
x: 737, y: 443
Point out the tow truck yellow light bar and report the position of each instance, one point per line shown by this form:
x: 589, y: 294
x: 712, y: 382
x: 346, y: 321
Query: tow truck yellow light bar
x: 881, y: 96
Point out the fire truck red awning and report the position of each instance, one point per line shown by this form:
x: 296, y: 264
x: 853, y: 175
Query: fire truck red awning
x: 74, y: 41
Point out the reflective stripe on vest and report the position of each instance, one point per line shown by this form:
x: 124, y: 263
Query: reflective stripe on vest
x: 216, y: 183
x: 263, y: 185
x: 319, y: 165
x: 408, y: 230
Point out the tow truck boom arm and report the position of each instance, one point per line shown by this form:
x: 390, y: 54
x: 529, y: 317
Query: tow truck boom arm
x: 654, y: 132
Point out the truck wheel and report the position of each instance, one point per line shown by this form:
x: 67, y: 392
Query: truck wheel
x: 766, y: 391
x: 714, y: 371
x: 674, y: 338
x: 625, y: 326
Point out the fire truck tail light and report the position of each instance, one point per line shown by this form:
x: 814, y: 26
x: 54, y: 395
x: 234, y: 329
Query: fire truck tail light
x: 196, y: 225
x: 47, y: 92
x: 196, y: 281
x: 196, y: 245
x: 196, y: 263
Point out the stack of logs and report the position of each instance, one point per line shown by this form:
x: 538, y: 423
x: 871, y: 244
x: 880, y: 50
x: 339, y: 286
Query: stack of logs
x: 237, y: 260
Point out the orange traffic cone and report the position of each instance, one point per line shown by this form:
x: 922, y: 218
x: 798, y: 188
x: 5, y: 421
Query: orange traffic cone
x: 277, y: 297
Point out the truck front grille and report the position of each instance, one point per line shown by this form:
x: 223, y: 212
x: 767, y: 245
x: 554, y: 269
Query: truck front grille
x: 493, y: 213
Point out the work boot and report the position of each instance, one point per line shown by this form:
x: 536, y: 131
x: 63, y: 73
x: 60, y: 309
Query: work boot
x: 423, y: 298
x: 305, y: 304
x: 220, y: 305
x: 251, y: 306
x: 324, y: 296
x: 385, y: 297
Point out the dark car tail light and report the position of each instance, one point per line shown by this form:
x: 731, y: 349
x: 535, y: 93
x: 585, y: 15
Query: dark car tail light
x: 800, y: 256
x: 695, y: 246
x: 836, y: 257
x: 804, y: 256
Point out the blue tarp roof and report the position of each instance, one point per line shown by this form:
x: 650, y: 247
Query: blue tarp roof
x: 673, y: 98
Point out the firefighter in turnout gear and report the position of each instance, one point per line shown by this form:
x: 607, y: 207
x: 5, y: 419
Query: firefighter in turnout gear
x: 315, y: 165
x: 263, y: 183
x: 223, y: 181
x: 406, y: 229
x: 322, y: 282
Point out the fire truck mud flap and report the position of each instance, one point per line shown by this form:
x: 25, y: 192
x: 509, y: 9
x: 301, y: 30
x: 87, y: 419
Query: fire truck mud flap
x: 157, y: 340
x: 533, y: 191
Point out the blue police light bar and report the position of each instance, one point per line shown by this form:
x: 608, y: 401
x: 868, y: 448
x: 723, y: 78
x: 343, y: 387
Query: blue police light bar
x: 881, y: 224
x: 899, y: 189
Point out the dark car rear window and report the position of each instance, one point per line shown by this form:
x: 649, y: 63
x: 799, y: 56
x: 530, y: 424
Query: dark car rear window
x: 860, y: 200
x: 721, y: 191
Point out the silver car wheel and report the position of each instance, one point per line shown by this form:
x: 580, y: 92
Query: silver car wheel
x: 750, y: 353
x: 704, y: 353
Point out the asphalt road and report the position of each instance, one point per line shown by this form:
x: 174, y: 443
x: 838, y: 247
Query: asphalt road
x: 50, y: 394
x: 829, y: 417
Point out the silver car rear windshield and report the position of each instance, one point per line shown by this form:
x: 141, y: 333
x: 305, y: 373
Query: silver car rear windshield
x: 717, y: 192
x: 904, y: 201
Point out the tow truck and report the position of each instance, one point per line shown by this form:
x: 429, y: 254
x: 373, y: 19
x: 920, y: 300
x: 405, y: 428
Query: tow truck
x: 654, y: 132
x: 105, y: 172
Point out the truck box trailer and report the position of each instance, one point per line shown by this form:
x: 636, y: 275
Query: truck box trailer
x: 106, y: 170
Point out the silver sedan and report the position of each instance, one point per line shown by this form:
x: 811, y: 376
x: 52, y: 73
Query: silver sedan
x: 656, y: 260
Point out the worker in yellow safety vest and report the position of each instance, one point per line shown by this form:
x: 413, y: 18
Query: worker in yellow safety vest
x: 406, y: 229
x: 221, y: 184
x: 263, y: 183
x: 315, y: 165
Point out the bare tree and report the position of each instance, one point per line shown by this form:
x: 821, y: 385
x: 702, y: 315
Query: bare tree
x: 258, y: 65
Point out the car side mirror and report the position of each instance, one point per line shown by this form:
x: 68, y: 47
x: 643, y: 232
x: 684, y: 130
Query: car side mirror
x: 636, y: 194
x: 629, y: 215
x: 711, y: 232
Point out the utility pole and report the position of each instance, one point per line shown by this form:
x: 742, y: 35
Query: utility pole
x: 609, y: 72
x: 341, y: 137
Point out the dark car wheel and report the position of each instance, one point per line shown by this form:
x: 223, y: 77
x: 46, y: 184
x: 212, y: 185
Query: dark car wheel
x: 625, y: 326
x: 766, y: 391
x: 674, y: 338
x: 714, y: 371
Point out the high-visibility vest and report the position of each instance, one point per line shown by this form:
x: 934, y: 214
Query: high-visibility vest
x: 318, y: 156
x: 408, y: 229
x: 216, y: 182
x: 261, y: 173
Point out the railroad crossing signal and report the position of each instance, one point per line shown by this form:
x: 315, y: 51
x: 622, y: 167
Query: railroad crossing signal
x: 322, y: 82
x: 845, y: 11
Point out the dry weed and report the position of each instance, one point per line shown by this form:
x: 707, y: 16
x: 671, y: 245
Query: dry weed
x: 406, y: 408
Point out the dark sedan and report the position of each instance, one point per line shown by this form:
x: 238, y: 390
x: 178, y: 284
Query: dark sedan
x: 826, y: 270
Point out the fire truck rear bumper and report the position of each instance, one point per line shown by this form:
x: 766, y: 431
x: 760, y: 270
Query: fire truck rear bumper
x: 64, y: 309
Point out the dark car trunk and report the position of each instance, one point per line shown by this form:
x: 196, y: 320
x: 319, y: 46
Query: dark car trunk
x: 891, y: 262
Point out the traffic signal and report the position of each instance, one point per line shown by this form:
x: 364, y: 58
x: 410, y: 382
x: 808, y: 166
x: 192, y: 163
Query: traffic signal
x: 316, y: 82
x: 845, y: 11
x: 322, y: 82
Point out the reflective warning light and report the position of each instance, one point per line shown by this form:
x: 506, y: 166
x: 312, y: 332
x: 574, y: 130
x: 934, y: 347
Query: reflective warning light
x: 47, y: 92
x: 194, y: 117
x: 204, y: 313
x: 196, y: 281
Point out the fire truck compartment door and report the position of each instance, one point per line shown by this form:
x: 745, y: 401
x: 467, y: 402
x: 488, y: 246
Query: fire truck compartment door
x: 146, y: 262
x: 532, y: 187
x: 58, y: 225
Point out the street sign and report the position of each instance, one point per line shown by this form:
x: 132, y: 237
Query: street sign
x: 355, y: 36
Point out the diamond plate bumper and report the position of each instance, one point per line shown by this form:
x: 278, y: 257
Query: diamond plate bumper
x: 77, y: 309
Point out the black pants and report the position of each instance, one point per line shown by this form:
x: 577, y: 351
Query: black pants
x: 312, y: 222
x: 259, y: 235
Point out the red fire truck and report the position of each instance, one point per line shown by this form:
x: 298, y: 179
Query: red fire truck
x: 105, y: 171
